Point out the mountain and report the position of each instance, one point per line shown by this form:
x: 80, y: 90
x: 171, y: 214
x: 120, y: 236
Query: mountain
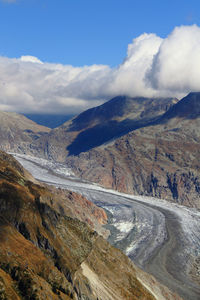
x: 188, y: 107
x: 145, y: 146
x: 17, y: 133
x: 161, y: 159
x: 48, y: 252
x: 101, y: 124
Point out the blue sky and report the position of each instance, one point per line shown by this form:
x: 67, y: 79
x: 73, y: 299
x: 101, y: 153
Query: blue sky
x: 85, y: 32
x: 64, y: 56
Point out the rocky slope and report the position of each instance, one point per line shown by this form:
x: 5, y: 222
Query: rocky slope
x: 17, y: 133
x: 161, y: 160
x: 48, y: 253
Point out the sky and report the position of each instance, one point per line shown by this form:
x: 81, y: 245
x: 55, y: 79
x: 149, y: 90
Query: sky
x: 65, y: 56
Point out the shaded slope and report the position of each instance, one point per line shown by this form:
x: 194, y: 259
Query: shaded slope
x: 101, y: 124
x: 121, y: 108
x: 188, y: 107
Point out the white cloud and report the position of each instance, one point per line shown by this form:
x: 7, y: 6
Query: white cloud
x: 153, y: 67
x: 129, y: 77
x: 32, y: 59
x: 176, y: 66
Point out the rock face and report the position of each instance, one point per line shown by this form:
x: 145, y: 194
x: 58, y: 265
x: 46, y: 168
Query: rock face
x: 161, y: 159
x: 77, y: 206
x: 47, y: 253
x: 17, y: 133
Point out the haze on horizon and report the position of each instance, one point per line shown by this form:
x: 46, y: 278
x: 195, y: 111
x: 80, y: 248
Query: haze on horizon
x: 162, y: 56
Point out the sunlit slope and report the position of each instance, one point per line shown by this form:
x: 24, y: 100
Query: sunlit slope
x: 17, y: 132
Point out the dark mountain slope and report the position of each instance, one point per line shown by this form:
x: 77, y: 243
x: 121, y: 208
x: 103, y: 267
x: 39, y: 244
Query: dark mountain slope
x: 122, y: 108
x: 188, y: 108
x: 101, y: 124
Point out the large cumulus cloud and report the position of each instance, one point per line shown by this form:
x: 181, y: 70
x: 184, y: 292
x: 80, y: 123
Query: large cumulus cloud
x: 176, y: 66
x: 153, y: 67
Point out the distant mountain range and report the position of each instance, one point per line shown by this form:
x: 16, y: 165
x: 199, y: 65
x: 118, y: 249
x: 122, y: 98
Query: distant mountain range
x: 146, y: 146
x: 51, y: 121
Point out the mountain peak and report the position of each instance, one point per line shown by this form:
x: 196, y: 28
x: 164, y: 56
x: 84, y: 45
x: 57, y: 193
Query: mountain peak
x: 120, y: 108
x: 113, y: 119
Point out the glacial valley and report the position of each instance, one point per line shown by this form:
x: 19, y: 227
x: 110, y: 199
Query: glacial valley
x: 162, y: 238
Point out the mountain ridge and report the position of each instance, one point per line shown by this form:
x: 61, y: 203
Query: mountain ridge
x: 17, y: 132
x: 99, y: 125
x: 187, y: 107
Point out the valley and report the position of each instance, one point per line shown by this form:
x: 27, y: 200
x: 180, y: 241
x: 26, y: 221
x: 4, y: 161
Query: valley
x: 139, y: 146
x: 100, y: 150
x: 162, y: 238
x: 125, y: 156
